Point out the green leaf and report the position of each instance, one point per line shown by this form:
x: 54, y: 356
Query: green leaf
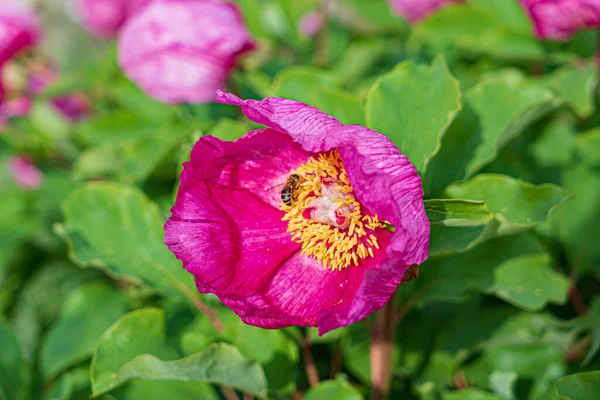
x: 577, y: 85
x: 457, y: 225
x: 85, y: 315
x: 505, y: 105
x: 555, y: 145
x: 319, y: 89
x: 498, y: 28
x: 118, y: 229
x: 414, y: 105
x: 577, y: 223
x: 451, y: 278
x: 518, y: 205
x: 134, y: 348
x: 373, y: 16
x: 588, y: 147
x: 580, y: 386
x: 470, y: 394
x: 14, y: 377
x: 219, y: 363
x: 334, y: 389
x: 40, y: 301
x: 530, y: 282
x: 227, y: 129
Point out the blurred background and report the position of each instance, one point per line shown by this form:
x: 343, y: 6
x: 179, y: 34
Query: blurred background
x: 98, y: 112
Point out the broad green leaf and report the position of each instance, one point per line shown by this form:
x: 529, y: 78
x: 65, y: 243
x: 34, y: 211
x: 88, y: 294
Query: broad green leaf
x: 13, y: 370
x: 502, y: 383
x: 139, y: 332
x: 498, y: 28
x: 530, y: 282
x: 580, y: 386
x: 470, y: 394
x: 577, y: 85
x: 84, y: 317
x: 577, y: 223
x: 334, y: 389
x: 451, y: 278
x: 118, y: 229
x: 219, y: 363
x: 160, y: 390
x: 555, y: 145
x: 458, y: 225
x: 372, y: 16
x: 414, y: 105
x: 227, y: 129
x: 505, y: 105
x: 319, y: 89
x: 40, y: 301
x: 518, y: 205
x: 134, y: 348
x: 588, y: 147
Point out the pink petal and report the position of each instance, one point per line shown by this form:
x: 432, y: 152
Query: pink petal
x: 560, y: 19
x: 104, y: 18
x: 24, y: 173
x: 226, y: 224
x: 183, y: 50
x: 19, y: 28
x: 287, y: 116
x: 311, y: 23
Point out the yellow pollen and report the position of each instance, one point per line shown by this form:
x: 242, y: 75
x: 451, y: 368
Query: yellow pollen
x: 347, y: 236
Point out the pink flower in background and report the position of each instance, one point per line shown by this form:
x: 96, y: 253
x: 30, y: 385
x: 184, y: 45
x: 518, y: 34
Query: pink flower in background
x: 104, y: 18
x: 560, y: 19
x: 415, y: 10
x: 183, y: 50
x: 290, y: 225
x: 19, y: 28
x: 72, y: 106
x: 311, y: 23
x: 24, y: 173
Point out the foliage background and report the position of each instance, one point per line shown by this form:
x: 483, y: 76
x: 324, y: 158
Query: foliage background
x: 503, y: 128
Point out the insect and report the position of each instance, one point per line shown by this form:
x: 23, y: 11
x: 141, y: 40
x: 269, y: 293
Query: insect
x: 290, y: 189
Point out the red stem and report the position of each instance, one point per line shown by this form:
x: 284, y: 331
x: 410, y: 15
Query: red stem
x: 382, y: 346
x: 576, y: 298
x: 309, y: 363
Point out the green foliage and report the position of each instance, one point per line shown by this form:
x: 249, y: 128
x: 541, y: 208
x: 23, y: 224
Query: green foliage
x: 502, y: 127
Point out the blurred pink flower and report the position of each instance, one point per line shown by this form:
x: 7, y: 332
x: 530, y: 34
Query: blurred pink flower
x: 24, y: 173
x: 104, y: 18
x: 19, y: 28
x: 183, y: 50
x: 311, y: 23
x: 415, y: 10
x: 287, y: 225
x: 72, y: 106
x: 560, y: 19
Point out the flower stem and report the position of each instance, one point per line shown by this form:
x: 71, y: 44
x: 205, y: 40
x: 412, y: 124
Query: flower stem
x: 309, y: 363
x: 382, y: 346
x: 576, y: 298
x: 229, y: 393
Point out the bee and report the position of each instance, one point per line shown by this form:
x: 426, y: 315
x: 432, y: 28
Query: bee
x: 289, y: 193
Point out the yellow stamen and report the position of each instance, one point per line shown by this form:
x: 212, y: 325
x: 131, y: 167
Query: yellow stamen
x: 336, y: 247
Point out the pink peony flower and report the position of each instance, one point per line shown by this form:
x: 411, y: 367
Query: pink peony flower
x: 290, y: 225
x: 311, y: 23
x: 24, y: 173
x: 183, y: 50
x: 560, y: 19
x: 19, y: 28
x: 104, y: 18
x: 415, y: 10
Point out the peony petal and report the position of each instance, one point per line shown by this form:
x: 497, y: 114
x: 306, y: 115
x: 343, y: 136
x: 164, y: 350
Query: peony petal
x: 388, y: 184
x: 560, y: 19
x: 25, y: 173
x: 305, y: 124
x: 19, y: 28
x: 260, y: 161
x: 183, y: 50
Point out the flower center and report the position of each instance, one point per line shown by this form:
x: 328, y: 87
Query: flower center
x: 324, y: 216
